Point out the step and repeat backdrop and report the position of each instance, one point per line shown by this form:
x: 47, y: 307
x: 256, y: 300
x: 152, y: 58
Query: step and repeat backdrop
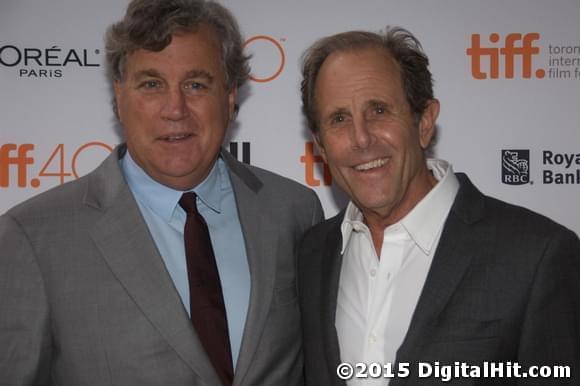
x: 507, y: 75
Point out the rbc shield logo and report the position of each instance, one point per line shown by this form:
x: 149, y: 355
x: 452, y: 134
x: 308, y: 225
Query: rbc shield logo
x: 515, y: 167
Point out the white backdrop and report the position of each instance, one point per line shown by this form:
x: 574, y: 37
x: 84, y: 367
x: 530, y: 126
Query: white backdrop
x: 518, y: 89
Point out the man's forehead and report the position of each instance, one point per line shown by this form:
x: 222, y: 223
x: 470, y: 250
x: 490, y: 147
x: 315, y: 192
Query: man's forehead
x: 188, y: 54
x: 357, y: 70
x: 361, y: 56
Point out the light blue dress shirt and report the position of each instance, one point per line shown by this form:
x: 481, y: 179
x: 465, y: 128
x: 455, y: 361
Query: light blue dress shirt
x: 159, y: 205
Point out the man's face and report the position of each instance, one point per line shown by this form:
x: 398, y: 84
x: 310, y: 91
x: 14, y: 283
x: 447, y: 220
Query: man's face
x: 368, y: 136
x: 174, y: 107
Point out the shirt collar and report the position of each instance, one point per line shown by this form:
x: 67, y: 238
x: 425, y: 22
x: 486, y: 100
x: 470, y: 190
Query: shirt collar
x: 424, y: 222
x: 209, y: 190
x: 162, y: 199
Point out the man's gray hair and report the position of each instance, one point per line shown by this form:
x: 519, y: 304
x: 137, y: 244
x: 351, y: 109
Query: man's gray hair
x: 149, y: 25
x: 401, y: 45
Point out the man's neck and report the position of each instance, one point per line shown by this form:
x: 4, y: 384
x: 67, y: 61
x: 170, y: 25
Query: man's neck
x: 378, y: 221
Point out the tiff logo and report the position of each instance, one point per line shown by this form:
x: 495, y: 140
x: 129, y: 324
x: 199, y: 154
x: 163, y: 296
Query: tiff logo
x: 21, y: 161
x: 309, y: 159
x: 515, y: 46
x: 515, y: 167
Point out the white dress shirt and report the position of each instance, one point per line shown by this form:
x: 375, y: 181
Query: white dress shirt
x: 377, y: 296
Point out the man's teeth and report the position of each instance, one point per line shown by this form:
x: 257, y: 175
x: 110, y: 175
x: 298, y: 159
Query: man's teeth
x: 176, y: 137
x: 371, y: 165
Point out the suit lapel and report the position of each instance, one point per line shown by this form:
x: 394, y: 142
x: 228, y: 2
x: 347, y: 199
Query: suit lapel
x: 123, y: 238
x: 457, y: 246
x: 329, y: 293
x: 261, y: 239
x: 328, y: 251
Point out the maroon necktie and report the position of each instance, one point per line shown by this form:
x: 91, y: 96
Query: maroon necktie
x: 208, y: 312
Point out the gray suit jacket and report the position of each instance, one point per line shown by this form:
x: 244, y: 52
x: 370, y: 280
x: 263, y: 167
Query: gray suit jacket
x: 504, y: 286
x: 85, y: 298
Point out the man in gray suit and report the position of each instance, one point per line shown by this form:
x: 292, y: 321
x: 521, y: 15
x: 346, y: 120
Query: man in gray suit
x: 422, y: 278
x: 93, y: 275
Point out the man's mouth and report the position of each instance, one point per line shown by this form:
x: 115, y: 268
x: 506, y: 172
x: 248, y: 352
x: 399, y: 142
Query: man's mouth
x: 377, y: 163
x: 175, y: 137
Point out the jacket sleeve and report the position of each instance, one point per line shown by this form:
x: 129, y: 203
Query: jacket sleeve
x: 551, y: 322
x: 25, y: 343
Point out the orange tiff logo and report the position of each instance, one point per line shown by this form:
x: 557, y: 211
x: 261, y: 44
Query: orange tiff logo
x: 15, y: 158
x: 515, y: 46
x: 20, y: 160
x: 281, y: 58
x: 310, y: 161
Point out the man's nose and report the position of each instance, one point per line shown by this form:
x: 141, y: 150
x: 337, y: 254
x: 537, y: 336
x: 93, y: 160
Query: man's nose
x: 175, y: 105
x: 362, y: 136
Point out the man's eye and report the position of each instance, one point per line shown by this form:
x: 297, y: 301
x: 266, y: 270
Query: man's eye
x: 194, y: 86
x: 338, y: 118
x: 150, y: 84
x: 378, y: 109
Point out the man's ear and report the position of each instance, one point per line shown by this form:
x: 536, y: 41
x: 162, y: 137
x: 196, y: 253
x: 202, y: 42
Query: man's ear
x: 319, y: 145
x: 427, y: 123
x: 233, y: 94
x: 118, y: 96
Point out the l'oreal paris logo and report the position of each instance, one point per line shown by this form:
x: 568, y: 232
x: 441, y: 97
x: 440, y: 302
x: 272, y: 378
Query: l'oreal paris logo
x: 46, y: 62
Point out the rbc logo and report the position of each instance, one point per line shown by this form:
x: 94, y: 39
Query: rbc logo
x: 515, y: 46
x: 515, y: 168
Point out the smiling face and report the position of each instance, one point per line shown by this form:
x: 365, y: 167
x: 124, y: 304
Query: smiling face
x: 175, y: 109
x: 368, y: 135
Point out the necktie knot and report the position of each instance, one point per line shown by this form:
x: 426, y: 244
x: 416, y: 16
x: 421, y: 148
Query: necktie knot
x: 188, y: 203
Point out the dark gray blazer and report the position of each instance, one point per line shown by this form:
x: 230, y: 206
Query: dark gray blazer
x: 85, y: 298
x: 504, y: 285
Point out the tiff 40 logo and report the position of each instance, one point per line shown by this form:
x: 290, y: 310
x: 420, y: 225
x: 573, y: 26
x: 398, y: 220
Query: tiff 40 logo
x: 272, y: 57
x: 514, y: 52
x: 18, y: 159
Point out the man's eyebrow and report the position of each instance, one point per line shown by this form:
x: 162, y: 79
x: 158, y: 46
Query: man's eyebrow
x: 146, y: 73
x: 200, y: 74
x: 156, y: 74
x: 338, y: 110
x: 375, y: 103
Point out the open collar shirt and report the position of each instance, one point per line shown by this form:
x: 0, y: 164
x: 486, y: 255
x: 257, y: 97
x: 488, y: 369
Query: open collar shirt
x: 378, y: 294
